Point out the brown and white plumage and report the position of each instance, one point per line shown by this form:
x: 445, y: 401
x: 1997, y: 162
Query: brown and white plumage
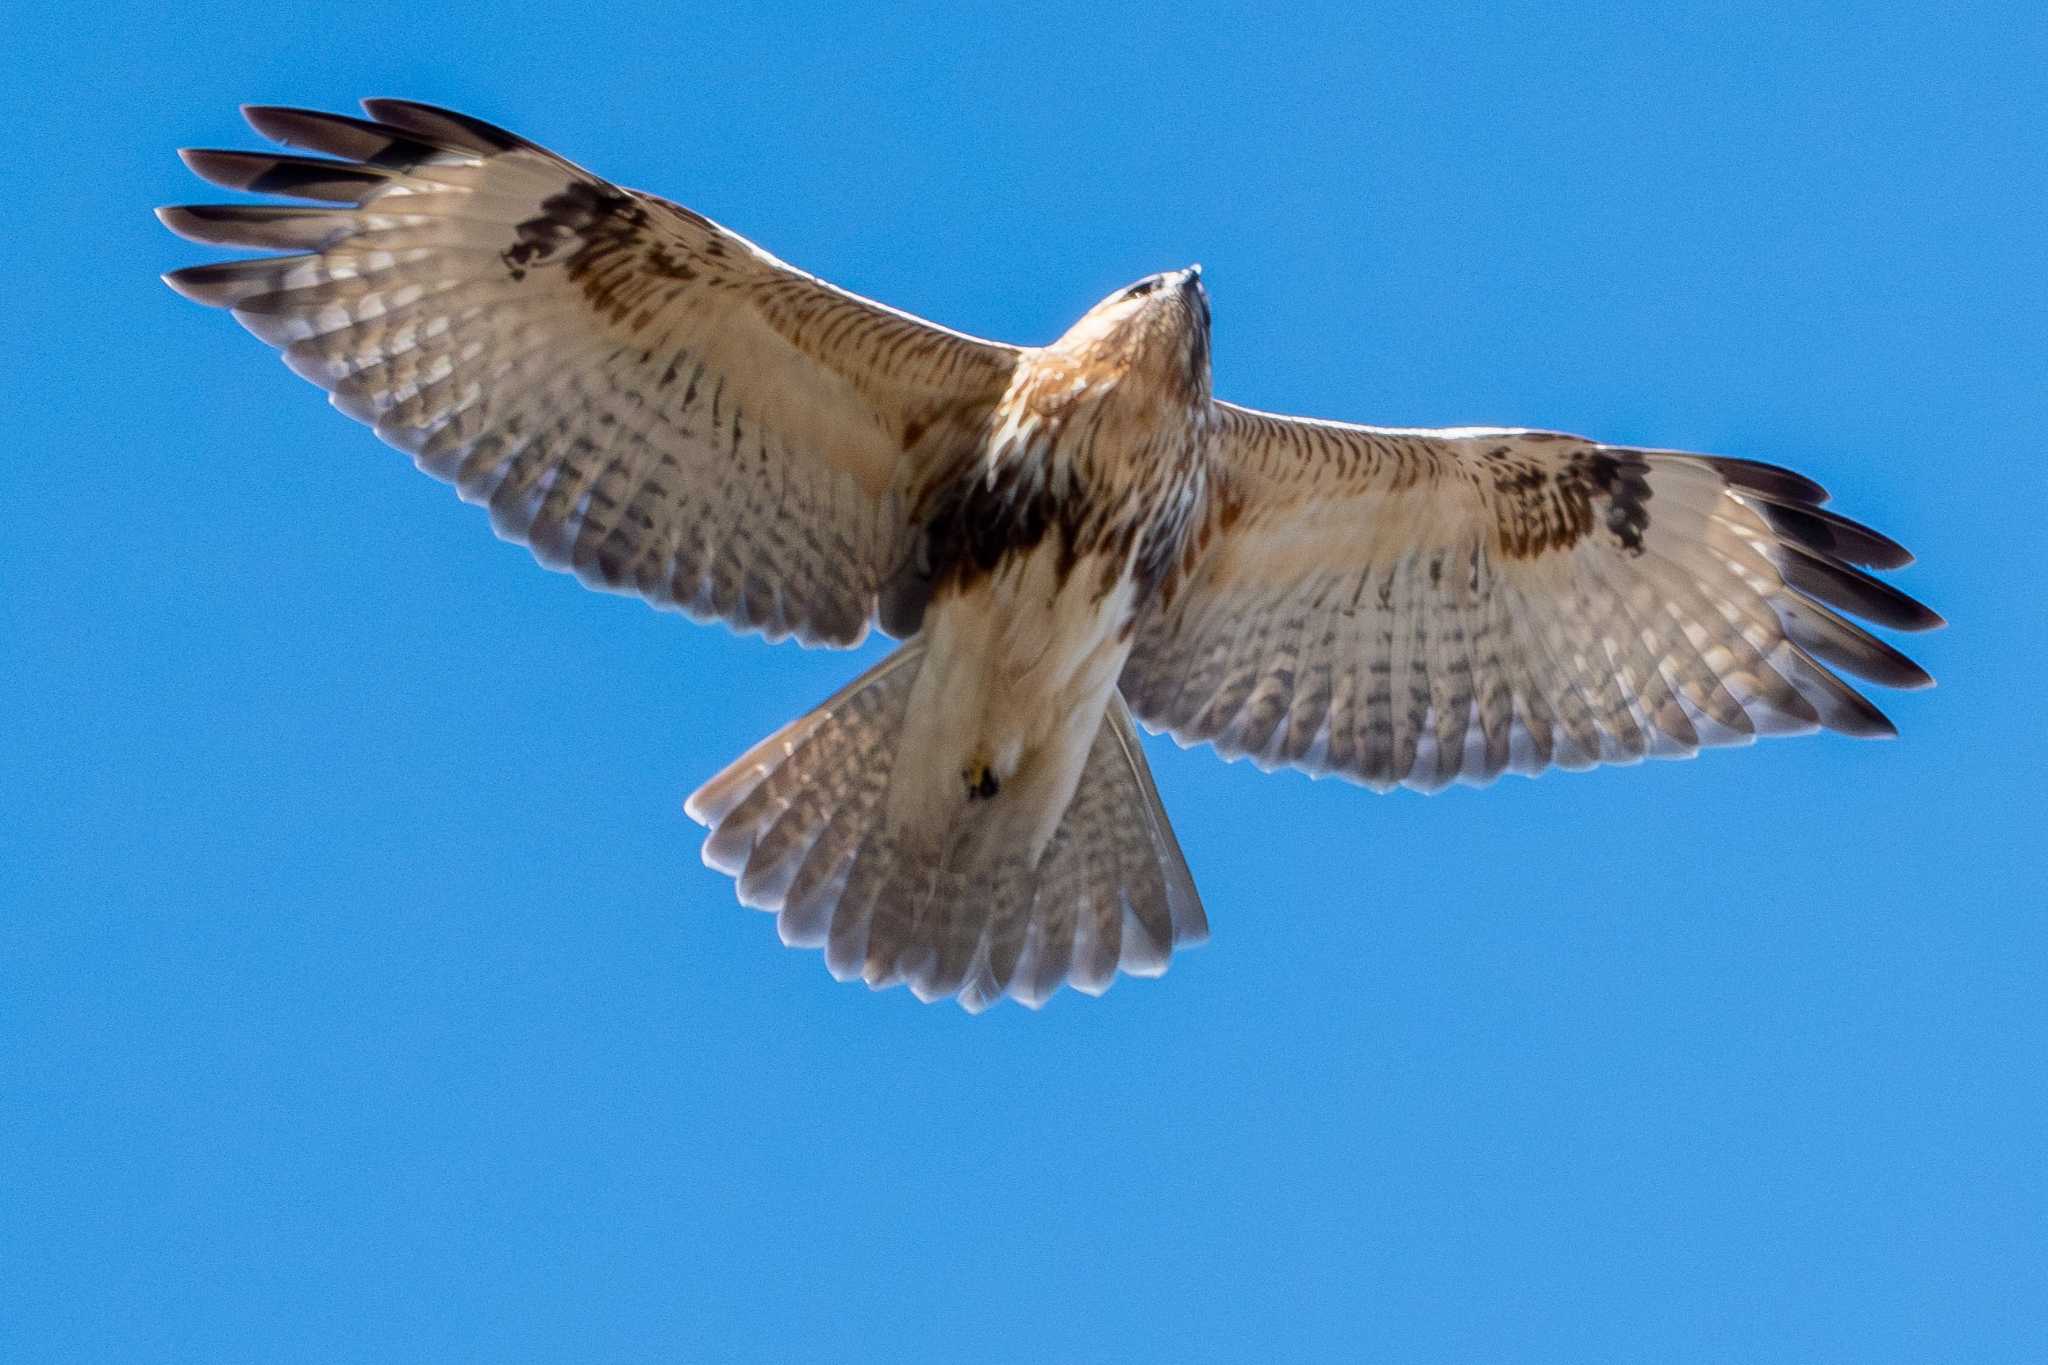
x: 639, y: 395
x: 652, y: 402
x: 1418, y: 607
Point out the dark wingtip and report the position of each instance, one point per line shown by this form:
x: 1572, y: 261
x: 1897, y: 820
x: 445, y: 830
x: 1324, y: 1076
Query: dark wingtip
x: 185, y: 286
x: 1846, y: 711
x: 1828, y: 533
x: 1921, y: 616
x: 1910, y: 676
x: 447, y: 126
x: 281, y: 123
x: 197, y: 222
x: 1769, y: 480
x: 228, y: 284
x: 1841, y: 585
x: 297, y: 177
x: 229, y: 170
x: 256, y: 115
x: 178, y: 218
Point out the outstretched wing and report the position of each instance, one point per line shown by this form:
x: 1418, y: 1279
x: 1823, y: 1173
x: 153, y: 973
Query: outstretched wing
x: 641, y: 396
x: 1418, y: 607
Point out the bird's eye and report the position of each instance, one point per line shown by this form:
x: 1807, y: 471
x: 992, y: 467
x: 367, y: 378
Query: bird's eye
x: 1142, y: 288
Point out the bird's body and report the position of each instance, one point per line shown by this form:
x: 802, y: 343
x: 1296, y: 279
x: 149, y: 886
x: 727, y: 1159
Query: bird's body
x: 1038, y: 552
x: 1063, y: 535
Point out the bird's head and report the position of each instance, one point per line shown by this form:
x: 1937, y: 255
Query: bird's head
x: 1157, y: 328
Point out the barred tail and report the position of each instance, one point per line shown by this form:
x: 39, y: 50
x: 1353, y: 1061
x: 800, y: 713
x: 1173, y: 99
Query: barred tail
x: 800, y: 820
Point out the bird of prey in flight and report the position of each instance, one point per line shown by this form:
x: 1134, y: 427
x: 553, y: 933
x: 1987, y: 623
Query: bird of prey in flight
x: 1067, y: 539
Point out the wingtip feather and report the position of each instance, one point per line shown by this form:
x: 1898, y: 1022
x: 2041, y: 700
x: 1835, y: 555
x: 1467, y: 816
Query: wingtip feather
x: 220, y: 284
x: 438, y: 124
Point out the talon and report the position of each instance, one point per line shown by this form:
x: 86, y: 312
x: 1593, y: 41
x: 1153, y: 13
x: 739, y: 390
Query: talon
x: 981, y: 783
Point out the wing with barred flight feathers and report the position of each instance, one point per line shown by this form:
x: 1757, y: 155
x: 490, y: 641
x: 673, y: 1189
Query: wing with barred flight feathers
x: 641, y: 396
x: 1417, y: 607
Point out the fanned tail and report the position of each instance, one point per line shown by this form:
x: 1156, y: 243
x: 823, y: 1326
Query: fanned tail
x: 799, y: 820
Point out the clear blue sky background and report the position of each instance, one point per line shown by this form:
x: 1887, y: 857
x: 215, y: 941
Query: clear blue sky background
x: 364, y: 997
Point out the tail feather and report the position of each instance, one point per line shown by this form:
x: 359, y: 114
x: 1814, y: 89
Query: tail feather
x: 799, y: 820
x: 787, y: 816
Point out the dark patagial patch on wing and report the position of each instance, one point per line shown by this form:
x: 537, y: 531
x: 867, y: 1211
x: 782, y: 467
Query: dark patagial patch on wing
x: 607, y: 242
x: 568, y: 222
x: 1543, y: 508
x: 1624, y: 481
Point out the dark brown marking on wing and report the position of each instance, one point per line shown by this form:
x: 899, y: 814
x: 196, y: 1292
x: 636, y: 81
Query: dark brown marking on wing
x: 602, y: 237
x: 1543, y: 509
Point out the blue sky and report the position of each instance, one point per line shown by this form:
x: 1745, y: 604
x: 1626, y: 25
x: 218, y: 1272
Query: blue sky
x: 362, y: 996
